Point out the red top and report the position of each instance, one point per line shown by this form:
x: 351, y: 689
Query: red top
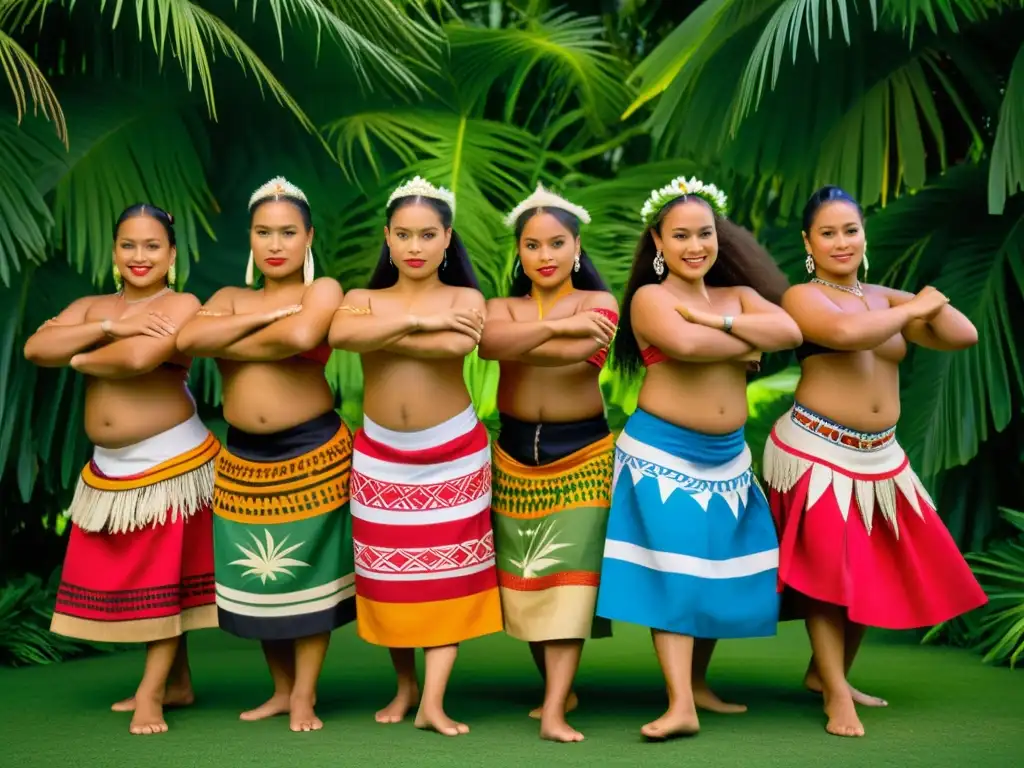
x: 319, y: 354
x: 600, y: 357
x: 652, y: 356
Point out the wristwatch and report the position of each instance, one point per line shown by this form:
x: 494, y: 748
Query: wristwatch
x: 727, y: 323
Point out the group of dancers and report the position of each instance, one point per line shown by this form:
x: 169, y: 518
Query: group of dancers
x: 426, y: 535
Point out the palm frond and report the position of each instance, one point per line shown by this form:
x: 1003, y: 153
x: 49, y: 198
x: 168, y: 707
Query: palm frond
x: 28, y: 83
x: 1006, y: 173
x: 567, y: 48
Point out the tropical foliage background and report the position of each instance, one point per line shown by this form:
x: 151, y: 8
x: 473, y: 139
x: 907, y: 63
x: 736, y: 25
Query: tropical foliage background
x: 915, y: 106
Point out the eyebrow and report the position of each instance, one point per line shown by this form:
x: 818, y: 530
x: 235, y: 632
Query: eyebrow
x: 431, y: 228
x: 835, y: 226
x: 539, y: 239
x: 687, y: 229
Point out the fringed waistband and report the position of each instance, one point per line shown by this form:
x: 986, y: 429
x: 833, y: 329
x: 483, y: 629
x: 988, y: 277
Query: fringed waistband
x: 540, y: 443
x: 167, y: 475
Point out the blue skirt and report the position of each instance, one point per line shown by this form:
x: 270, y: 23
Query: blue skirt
x: 691, y: 546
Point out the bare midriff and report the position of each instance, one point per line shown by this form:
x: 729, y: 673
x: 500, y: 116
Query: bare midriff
x: 544, y: 394
x: 122, y: 412
x: 408, y: 394
x: 706, y: 397
x: 267, y: 397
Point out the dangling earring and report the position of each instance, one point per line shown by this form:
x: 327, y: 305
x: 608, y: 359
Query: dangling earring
x: 444, y: 261
x: 118, y: 280
x: 576, y: 264
x: 515, y: 269
x: 865, y: 261
x: 250, y: 270
x: 307, y: 267
x: 659, y: 264
x: 809, y: 263
x: 172, y: 277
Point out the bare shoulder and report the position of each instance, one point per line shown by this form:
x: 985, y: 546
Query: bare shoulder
x: 465, y: 297
x: 652, y: 294
x: 323, y: 289
x: 227, y: 296
x: 599, y: 300
x: 179, y: 302
x: 799, y: 294
x: 358, y: 297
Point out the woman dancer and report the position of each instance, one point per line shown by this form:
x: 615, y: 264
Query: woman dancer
x: 860, y: 543
x: 281, y: 526
x: 691, y: 550
x: 421, y: 472
x: 553, y: 458
x: 139, y: 565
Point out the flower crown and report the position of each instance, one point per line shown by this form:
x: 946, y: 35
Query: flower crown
x: 420, y: 187
x: 276, y: 188
x: 678, y: 187
x: 542, y: 198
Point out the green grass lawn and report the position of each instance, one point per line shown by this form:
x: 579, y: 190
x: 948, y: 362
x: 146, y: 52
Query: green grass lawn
x: 946, y: 709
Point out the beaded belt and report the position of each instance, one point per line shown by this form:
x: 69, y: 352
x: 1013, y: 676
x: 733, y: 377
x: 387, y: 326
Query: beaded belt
x: 859, y: 441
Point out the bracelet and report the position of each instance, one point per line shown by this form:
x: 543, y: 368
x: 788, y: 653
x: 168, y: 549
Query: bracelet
x: 105, y: 327
x: 354, y: 310
x: 727, y: 323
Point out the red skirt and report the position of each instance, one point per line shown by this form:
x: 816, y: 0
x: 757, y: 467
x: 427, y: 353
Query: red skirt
x: 858, y: 529
x: 139, y: 563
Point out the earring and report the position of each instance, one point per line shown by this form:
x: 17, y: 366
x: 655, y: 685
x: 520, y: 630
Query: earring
x: 307, y: 267
x: 659, y: 264
x: 865, y: 261
x: 172, y: 276
x: 809, y: 263
x: 444, y: 261
x: 250, y: 270
x: 515, y: 269
x: 118, y: 280
x: 576, y: 264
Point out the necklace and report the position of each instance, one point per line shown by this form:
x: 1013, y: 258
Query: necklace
x: 855, y: 289
x: 564, y: 291
x: 147, y: 298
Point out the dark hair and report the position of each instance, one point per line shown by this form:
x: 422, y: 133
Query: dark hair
x: 456, y: 268
x: 587, y: 279
x: 150, y: 211
x: 741, y: 261
x: 825, y: 195
x: 298, y: 202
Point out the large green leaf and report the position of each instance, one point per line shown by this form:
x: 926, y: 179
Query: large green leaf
x: 1006, y: 175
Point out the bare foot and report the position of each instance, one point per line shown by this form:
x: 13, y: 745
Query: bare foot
x: 302, y: 717
x: 705, y: 698
x: 555, y: 728
x: 571, y: 702
x: 176, y: 696
x: 676, y: 722
x: 842, y: 717
x: 813, y: 683
x: 395, y: 711
x: 437, y: 720
x: 278, y: 704
x: 148, y: 718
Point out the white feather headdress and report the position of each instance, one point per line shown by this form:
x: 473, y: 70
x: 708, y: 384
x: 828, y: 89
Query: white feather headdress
x: 420, y: 187
x: 543, y: 198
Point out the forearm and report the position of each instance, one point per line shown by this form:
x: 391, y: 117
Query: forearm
x: 366, y: 333
x: 510, y: 340
x: 699, y: 344
x: 866, y: 330
x: 948, y: 331
x: 433, y: 344
x: 561, y: 352
x: 210, y: 336
x: 277, y: 341
x: 54, y: 346
x: 120, y: 360
x: 769, y: 332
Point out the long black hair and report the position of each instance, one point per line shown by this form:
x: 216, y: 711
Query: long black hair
x: 741, y: 261
x: 825, y: 195
x: 587, y: 279
x: 151, y: 211
x: 456, y: 268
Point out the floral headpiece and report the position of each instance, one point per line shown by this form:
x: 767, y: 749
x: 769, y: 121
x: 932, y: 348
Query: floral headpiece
x: 542, y: 198
x: 420, y: 187
x: 276, y: 188
x: 678, y: 187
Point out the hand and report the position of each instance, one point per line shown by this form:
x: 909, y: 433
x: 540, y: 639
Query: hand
x: 467, y: 321
x: 926, y: 304
x: 280, y: 314
x: 153, y: 324
x: 700, y: 317
x: 587, y: 324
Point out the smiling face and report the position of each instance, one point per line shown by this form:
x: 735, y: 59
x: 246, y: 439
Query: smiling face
x: 687, y: 240
x: 142, y: 252
x: 417, y: 238
x: 547, y: 250
x: 836, y: 239
x: 279, y: 239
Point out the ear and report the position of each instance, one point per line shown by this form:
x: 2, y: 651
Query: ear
x: 807, y: 242
x: 658, y: 242
x: 174, y: 254
x: 447, y: 238
x: 309, y: 237
x: 387, y: 236
x: 579, y: 246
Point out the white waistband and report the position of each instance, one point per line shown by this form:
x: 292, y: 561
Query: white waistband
x: 148, y: 453
x: 879, y: 462
x: 422, y: 439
